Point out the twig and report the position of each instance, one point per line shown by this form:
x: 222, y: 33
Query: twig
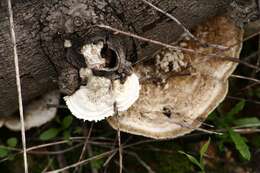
x: 123, y: 168
x: 145, y: 165
x: 31, y: 149
x: 246, y: 78
x: 47, y: 145
x: 109, y: 159
x: 105, y: 154
x: 85, y: 146
x: 212, y: 55
x: 184, y: 28
x: 119, y: 139
x: 90, y: 153
x: 254, y: 54
x: 18, y: 83
x: 244, y: 39
x: 48, y: 165
x: 61, y: 160
x: 57, y: 152
x: 247, y: 100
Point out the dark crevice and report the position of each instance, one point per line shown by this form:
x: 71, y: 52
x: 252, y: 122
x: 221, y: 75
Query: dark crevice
x: 110, y: 56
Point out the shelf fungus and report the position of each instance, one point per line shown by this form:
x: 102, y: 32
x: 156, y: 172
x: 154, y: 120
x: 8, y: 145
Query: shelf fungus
x: 181, y: 89
x: 108, y: 84
x: 36, y: 113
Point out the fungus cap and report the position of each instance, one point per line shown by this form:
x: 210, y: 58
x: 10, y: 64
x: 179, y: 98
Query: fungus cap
x: 37, y: 113
x: 95, y: 101
x: 181, y: 104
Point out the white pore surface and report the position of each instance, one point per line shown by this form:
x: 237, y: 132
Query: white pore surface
x: 92, y: 102
x: 92, y: 54
x: 37, y: 113
x: 96, y: 100
x: 128, y: 93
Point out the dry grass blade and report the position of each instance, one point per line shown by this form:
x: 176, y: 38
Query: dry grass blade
x: 18, y: 83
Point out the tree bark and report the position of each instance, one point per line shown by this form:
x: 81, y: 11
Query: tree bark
x: 42, y: 26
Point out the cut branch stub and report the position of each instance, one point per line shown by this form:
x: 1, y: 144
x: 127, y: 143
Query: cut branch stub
x: 106, y: 80
x: 176, y: 104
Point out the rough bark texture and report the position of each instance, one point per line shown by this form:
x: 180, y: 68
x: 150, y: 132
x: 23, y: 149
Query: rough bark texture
x: 36, y: 71
x: 42, y: 26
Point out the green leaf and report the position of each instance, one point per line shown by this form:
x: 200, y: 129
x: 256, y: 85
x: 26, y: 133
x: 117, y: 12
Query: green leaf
x: 66, y: 135
x: 212, y: 116
x: 230, y: 117
x: 12, y: 142
x: 67, y: 121
x: 247, y: 122
x: 203, y: 150
x: 237, y: 108
x: 240, y: 144
x: 97, y: 164
x: 3, y: 152
x: 78, y: 131
x: 49, y: 134
x: 193, y: 160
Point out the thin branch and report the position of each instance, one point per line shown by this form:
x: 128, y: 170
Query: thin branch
x: 85, y: 146
x: 184, y: 28
x: 90, y: 153
x: 18, y: 83
x: 86, y: 142
x: 48, y: 165
x: 109, y: 159
x: 119, y: 139
x: 212, y: 55
x: 145, y: 165
x: 61, y: 159
x: 252, y: 55
x: 47, y: 145
x: 100, y: 156
x: 246, y: 78
x: 57, y: 152
x: 244, y: 39
x: 123, y: 168
x: 247, y: 100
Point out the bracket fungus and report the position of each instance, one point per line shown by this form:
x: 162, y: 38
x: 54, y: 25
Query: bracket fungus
x: 37, y: 113
x: 180, y: 103
x: 102, y: 90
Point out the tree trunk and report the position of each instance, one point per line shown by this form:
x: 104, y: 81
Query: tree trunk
x: 42, y: 26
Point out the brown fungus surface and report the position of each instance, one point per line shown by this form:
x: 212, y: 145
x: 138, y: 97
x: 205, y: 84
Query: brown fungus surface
x: 177, y: 104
